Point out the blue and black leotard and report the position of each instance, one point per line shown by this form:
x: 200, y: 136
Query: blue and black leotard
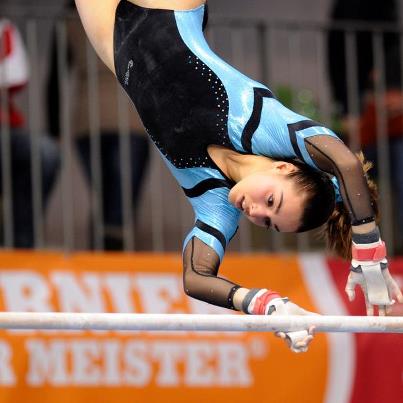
x: 188, y: 98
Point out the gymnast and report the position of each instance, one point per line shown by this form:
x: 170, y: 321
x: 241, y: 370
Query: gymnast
x: 234, y: 148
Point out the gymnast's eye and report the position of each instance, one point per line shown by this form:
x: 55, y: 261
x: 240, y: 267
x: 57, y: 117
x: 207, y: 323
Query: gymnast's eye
x: 270, y: 201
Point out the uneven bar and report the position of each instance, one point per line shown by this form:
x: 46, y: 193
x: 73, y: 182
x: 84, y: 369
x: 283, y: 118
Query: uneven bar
x: 189, y: 322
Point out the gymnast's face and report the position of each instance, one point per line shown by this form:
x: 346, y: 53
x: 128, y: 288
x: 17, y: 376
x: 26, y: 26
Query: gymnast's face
x: 270, y: 198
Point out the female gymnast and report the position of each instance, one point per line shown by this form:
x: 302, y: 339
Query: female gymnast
x: 235, y: 149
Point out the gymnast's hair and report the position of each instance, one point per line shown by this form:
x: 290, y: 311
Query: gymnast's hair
x: 321, y: 210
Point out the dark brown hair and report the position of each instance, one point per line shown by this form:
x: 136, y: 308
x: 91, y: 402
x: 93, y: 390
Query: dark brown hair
x: 321, y: 207
x: 319, y: 195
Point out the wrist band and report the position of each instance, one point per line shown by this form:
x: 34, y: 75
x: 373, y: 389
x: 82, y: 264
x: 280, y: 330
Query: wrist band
x: 370, y: 237
x: 256, y: 301
x: 369, y: 254
x: 230, y: 298
x: 263, y: 301
x: 248, y: 299
x: 363, y: 221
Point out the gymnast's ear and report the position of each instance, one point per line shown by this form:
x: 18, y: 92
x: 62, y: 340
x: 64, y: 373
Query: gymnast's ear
x: 284, y: 167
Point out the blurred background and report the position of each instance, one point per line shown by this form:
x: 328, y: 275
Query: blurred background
x: 78, y: 176
x: 78, y: 172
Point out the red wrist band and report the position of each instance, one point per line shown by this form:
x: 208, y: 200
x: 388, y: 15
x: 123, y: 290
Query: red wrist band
x: 262, y: 302
x: 376, y: 253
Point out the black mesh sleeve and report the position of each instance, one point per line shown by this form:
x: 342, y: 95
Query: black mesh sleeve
x: 200, y: 281
x: 332, y: 156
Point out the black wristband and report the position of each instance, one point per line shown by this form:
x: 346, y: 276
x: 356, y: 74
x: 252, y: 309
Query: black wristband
x: 363, y: 221
x: 369, y: 237
x: 248, y: 298
x: 230, y: 298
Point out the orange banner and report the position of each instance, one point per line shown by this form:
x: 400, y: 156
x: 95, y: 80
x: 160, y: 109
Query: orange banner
x: 49, y: 366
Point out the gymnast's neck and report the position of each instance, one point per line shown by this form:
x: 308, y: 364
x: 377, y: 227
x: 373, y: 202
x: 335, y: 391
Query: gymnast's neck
x: 237, y: 166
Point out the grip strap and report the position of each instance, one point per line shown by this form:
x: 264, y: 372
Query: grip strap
x: 375, y: 253
x: 377, y: 290
x: 257, y: 301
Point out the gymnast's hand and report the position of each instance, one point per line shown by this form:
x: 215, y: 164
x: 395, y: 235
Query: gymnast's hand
x: 298, y: 341
x: 265, y: 302
x: 369, y: 270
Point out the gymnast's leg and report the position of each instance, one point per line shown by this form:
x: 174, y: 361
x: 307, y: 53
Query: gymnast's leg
x: 98, y: 19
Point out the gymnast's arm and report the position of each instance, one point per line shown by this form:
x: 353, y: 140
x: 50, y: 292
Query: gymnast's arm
x: 201, y: 263
x: 369, y: 267
x: 200, y: 280
x: 331, y: 155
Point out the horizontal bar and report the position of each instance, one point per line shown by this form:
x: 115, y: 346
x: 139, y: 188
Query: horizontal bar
x: 188, y: 322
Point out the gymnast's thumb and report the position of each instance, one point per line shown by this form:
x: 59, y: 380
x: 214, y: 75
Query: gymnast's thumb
x: 350, y: 293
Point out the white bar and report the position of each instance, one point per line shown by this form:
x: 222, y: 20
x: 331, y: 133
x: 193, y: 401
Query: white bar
x: 187, y: 322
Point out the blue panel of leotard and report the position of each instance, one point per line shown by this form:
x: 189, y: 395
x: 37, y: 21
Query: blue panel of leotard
x: 271, y: 138
x: 212, y: 207
x: 239, y: 87
x: 190, y: 177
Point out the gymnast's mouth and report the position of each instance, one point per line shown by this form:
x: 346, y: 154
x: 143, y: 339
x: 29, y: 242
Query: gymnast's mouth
x: 240, y: 204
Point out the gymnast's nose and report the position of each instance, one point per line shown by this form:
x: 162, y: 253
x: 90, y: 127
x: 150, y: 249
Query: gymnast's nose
x: 255, y: 211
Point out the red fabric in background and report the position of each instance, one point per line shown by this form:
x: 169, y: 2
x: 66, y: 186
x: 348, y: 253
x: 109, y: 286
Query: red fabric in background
x: 6, y: 44
x: 15, y: 117
x: 379, y: 359
x: 392, y: 103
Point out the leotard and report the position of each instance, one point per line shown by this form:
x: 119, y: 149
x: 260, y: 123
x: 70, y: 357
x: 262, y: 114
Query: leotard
x: 188, y: 98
